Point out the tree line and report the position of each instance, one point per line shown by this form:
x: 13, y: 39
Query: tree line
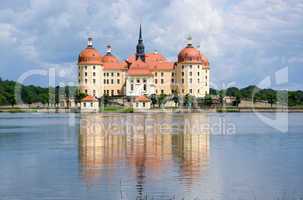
x: 36, y: 94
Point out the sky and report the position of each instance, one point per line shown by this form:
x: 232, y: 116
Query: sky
x: 247, y: 42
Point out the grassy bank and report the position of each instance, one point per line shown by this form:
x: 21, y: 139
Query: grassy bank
x: 17, y: 110
x: 117, y: 109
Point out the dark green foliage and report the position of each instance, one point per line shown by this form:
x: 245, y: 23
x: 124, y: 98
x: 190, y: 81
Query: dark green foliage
x: 188, y: 101
x: 153, y: 99
x: 161, y: 100
x: 34, y: 94
x: 295, y: 98
x: 208, y: 100
x: 31, y: 94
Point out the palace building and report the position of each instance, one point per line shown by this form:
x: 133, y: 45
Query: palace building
x: 143, y: 73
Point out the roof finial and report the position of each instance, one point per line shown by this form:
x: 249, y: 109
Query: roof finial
x: 90, y: 42
x: 140, y: 33
x: 108, y: 49
x: 189, y: 41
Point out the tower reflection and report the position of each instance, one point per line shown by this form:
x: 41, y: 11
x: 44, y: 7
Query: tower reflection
x: 148, y: 145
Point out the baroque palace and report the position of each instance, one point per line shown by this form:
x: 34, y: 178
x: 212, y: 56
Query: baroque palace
x: 142, y: 74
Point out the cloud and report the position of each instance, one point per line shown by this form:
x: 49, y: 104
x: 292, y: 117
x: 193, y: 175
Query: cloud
x: 245, y: 41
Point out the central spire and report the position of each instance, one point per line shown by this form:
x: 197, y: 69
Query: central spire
x: 140, y: 47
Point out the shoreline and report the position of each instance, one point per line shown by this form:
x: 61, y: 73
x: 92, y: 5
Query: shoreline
x: 157, y: 110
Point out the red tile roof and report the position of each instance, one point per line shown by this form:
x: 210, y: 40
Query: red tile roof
x: 139, y: 68
x: 141, y: 99
x: 90, y: 56
x: 149, y: 57
x: 89, y: 98
x: 190, y: 54
x: 115, y: 66
x: 155, y: 62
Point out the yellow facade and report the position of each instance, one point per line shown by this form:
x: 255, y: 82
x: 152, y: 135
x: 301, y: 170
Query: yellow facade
x: 114, y: 82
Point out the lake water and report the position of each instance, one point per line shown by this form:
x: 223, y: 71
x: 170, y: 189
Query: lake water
x: 150, y: 156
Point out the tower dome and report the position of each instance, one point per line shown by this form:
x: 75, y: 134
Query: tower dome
x: 191, y: 54
x: 109, y: 57
x: 90, y: 55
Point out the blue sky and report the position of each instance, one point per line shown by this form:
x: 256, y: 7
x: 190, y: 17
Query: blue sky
x: 245, y: 41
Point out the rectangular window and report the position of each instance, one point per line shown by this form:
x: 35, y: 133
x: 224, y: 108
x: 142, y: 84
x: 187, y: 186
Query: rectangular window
x: 104, y: 74
x: 198, y: 73
x: 198, y: 91
x: 138, y: 80
x: 85, y: 80
x: 162, y: 91
x: 85, y: 73
x: 112, y: 81
x: 94, y: 73
x: 137, y: 104
x: 107, y: 81
x: 94, y: 81
x: 94, y: 67
x: 94, y: 92
x: 118, y: 91
x: 104, y: 81
x: 198, y: 80
x: 131, y: 87
x: 182, y: 73
x: 172, y: 80
x: 85, y: 91
x: 156, y: 81
x: 112, y: 74
x: 162, y: 81
x: 162, y: 74
x: 143, y: 104
x: 191, y: 80
x: 190, y: 73
x: 85, y: 67
x: 182, y: 80
x: 144, y: 80
x: 182, y: 66
x: 84, y: 104
x: 118, y: 81
x: 190, y: 66
x: 156, y: 74
x: 91, y: 104
x: 144, y: 87
x: 112, y: 92
x: 118, y: 74
x: 191, y: 91
x: 172, y: 73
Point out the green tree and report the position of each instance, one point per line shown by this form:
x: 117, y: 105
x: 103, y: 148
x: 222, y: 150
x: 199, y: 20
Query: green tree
x: 79, y: 96
x: 161, y: 100
x: 12, y: 100
x: 237, y: 101
x: 208, y: 100
x: 188, y: 100
x: 176, y: 100
x: 153, y: 99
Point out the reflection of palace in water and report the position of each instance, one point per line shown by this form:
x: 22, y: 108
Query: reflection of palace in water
x: 145, y: 142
